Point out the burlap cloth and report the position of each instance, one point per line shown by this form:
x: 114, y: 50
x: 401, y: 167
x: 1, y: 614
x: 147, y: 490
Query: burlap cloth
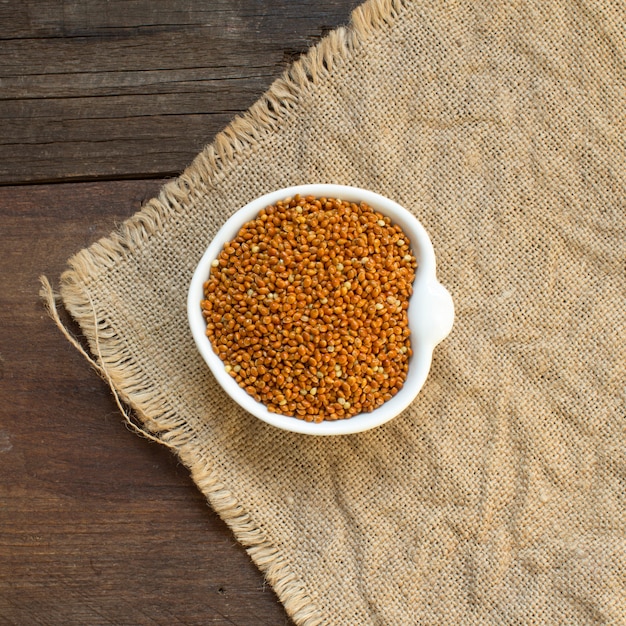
x: 499, y: 497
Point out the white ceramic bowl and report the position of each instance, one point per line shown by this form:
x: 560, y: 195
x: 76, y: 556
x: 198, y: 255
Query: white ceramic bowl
x: 430, y: 312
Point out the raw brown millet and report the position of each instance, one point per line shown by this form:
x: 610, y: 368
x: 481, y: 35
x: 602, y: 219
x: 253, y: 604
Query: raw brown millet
x: 307, y: 308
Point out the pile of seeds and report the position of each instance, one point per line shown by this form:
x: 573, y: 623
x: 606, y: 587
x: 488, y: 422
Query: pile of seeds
x: 307, y: 308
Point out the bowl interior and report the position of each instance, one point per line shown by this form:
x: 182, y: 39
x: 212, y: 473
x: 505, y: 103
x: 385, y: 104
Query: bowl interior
x: 423, y: 339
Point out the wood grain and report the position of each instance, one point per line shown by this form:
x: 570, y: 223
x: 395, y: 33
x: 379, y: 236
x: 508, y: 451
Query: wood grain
x: 97, y: 525
x: 92, y: 90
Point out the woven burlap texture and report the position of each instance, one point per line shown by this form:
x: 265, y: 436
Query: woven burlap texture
x: 499, y: 496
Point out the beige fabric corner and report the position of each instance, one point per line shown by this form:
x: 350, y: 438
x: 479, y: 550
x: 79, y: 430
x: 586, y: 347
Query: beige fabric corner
x: 499, y: 497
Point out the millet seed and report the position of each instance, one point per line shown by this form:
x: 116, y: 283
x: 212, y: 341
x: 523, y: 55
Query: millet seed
x: 307, y: 308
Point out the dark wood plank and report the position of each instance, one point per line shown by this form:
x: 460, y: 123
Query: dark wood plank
x: 98, y: 526
x: 135, y: 89
x: 48, y: 18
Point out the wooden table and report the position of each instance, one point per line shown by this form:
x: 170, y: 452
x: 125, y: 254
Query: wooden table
x: 100, y: 103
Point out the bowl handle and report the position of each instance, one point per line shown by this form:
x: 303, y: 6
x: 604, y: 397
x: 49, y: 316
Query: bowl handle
x: 436, y: 319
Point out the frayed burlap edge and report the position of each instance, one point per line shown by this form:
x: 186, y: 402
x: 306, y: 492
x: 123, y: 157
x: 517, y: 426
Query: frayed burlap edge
x: 129, y: 384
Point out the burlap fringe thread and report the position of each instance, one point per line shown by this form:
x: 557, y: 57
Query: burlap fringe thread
x: 227, y: 151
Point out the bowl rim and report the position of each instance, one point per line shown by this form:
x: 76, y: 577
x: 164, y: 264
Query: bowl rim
x: 430, y: 312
